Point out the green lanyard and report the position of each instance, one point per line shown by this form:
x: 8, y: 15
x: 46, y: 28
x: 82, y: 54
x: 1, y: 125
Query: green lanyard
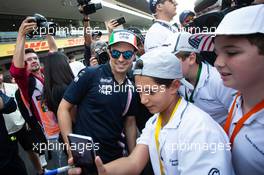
x: 197, y: 80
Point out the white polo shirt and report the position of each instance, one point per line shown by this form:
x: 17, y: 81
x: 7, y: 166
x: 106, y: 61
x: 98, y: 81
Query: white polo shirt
x: 210, y: 94
x: 248, y: 146
x: 158, y: 35
x: 188, y: 144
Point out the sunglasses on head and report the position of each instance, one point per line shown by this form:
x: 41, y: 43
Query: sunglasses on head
x: 126, y: 54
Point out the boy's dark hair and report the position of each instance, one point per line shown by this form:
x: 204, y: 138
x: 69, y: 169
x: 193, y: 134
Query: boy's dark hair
x: 161, y: 81
x: 183, y: 55
x: 29, y: 50
x: 257, y: 40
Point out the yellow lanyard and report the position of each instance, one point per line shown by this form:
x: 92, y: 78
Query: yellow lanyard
x: 157, y: 132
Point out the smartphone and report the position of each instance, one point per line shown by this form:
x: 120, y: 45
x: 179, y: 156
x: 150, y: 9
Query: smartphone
x: 121, y: 20
x: 82, y: 149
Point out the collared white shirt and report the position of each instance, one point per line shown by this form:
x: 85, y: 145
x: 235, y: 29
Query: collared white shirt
x: 210, y: 94
x: 188, y: 144
x: 248, y: 146
x: 157, y: 35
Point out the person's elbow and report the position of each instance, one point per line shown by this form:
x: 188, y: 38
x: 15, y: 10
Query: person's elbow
x: 64, y: 109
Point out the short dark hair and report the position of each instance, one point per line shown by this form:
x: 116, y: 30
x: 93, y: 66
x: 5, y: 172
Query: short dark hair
x: 257, y: 40
x: 29, y: 50
x: 183, y: 55
x: 162, y: 81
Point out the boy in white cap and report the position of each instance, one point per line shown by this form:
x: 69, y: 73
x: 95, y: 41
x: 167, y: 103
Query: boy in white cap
x: 239, y: 45
x: 209, y: 92
x: 180, y: 138
x: 161, y: 30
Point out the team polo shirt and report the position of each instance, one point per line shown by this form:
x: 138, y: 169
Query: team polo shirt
x: 158, y: 34
x: 190, y: 143
x: 100, y: 108
x: 210, y: 94
x: 248, y: 146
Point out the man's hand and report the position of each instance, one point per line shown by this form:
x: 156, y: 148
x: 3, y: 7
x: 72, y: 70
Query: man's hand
x: 99, y: 165
x: 27, y: 26
x: 111, y: 25
x: 73, y: 171
x: 93, y: 61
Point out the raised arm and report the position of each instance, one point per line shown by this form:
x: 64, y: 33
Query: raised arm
x: 26, y: 26
x: 87, y: 30
x: 111, y: 25
x: 52, y: 43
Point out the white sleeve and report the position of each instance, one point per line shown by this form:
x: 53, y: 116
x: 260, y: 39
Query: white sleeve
x: 146, y: 133
x: 211, y: 156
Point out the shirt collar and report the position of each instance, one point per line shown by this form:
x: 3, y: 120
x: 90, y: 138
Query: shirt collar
x: 203, y: 77
x: 177, y: 118
x: 238, y: 114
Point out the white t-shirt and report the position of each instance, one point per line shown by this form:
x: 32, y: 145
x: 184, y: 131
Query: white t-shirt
x: 13, y: 121
x: 158, y: 35
x: 76, y: 67
x: 210, y: 94
x: 190, y: 143
x: 248, y: 146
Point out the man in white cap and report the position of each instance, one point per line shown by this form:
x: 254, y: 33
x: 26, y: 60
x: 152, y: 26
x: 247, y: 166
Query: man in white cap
x: 161, y: 30
x: 239, y: 45
x: 209, y: 92
x: 175, y: 138
x: 104, y: 99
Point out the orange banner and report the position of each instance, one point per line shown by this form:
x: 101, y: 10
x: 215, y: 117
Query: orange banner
x: 8, y: 49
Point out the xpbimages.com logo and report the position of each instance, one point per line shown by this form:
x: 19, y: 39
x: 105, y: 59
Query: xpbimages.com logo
x: 63, y: 31
x: 56, y: 146
x: 109, y: 89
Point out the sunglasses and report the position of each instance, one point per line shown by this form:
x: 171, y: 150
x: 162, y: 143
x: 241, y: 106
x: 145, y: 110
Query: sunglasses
x: 126, y: 54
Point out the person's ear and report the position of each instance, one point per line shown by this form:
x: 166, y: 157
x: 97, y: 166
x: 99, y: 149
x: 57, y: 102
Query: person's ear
x: 159, y: 7
x: 192, y: 58
x: 174, y: 87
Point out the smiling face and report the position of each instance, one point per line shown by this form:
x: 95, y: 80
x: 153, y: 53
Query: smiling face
x: 121, y: 65
x: 156, y: 97
x: 32, y: 62
x: 238, y: 62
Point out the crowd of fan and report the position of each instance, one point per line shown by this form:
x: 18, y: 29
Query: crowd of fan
x: 193, y: 102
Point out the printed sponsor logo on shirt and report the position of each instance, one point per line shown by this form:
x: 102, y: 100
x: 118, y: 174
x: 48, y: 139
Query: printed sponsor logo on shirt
x: 106, y: 80
x: 254, y: 145
x: 105, y: 89
x: 214, y: 171
x: 174, y: 162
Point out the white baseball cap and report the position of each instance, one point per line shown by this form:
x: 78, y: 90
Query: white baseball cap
x: 243, y: 21
x: 123, y: 36
x: 180, y: 42
x: 161, y: 63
